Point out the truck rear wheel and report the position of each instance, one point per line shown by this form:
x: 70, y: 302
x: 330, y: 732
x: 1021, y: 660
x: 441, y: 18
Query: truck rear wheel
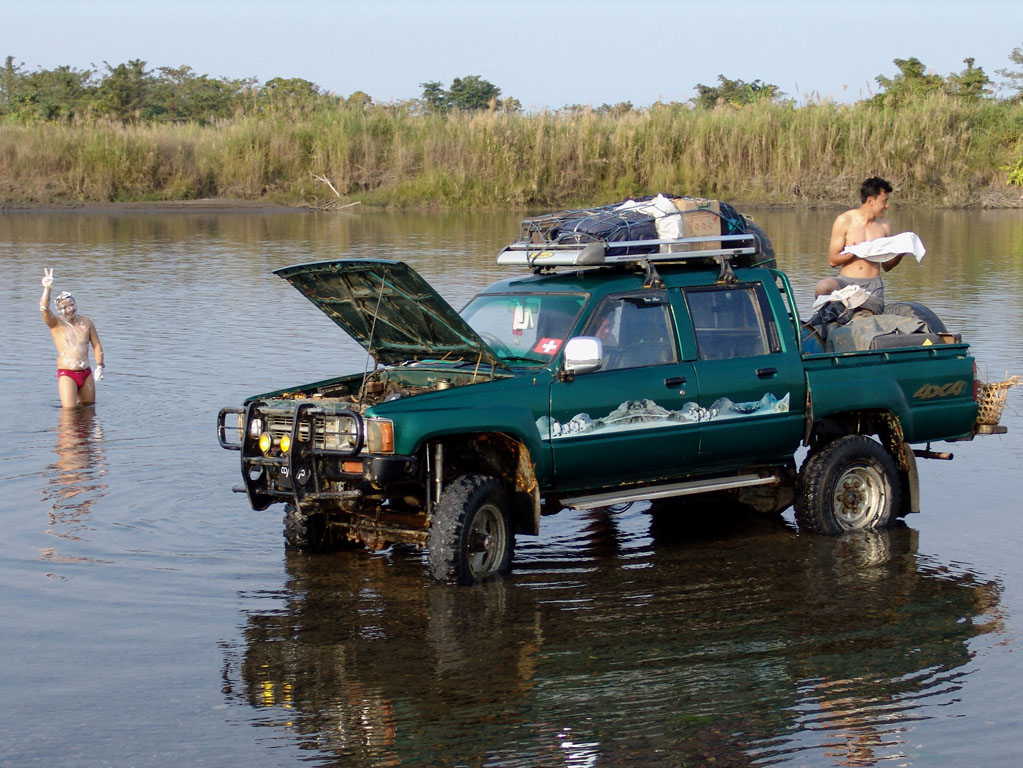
x: 471, y: 537
x: 852, y: 484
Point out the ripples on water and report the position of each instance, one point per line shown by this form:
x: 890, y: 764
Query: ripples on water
x: 155, y: 620
x: 617, y: 641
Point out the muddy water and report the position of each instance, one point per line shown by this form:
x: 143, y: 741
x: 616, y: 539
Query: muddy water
x: 151, y: 619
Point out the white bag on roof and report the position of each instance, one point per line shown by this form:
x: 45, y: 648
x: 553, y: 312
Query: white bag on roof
x: 667, y: 218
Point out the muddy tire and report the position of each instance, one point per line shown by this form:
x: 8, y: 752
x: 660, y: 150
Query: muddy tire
x: 471, y: 537
x: 852, y: 484
x: 304, y: 532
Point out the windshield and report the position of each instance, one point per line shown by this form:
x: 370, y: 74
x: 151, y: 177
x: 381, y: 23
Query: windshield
x: 523, y: 328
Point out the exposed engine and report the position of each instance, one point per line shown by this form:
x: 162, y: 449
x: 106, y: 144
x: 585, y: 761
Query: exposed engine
x: 381, y: 386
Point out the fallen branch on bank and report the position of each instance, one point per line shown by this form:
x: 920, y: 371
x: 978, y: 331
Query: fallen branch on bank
x: 332, y: 205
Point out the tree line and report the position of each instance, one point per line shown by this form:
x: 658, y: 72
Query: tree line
x: 131, y: 132
x: 131, y: 92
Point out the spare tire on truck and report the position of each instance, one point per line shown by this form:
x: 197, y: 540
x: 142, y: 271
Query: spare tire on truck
x: 918, y: 311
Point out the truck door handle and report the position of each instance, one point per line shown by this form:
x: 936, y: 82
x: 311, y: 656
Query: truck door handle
x: 765, y: 373
x: 674, y: 381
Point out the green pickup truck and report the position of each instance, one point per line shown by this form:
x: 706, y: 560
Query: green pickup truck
x: 611, y: 371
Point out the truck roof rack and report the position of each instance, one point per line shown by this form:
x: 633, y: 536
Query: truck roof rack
x: 601, y: 252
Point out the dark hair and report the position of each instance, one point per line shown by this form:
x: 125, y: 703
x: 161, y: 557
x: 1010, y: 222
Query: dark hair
x: 872, y: 188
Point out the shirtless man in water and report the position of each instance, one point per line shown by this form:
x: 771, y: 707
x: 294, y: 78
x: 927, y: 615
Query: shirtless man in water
x: 72, y: 335
x: 857, y: 226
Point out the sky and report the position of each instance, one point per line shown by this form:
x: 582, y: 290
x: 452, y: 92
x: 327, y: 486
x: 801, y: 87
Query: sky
x: 545, y: 54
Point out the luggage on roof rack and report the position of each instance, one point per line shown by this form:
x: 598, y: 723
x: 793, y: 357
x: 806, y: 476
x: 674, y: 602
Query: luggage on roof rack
x: 656, y: 226
x: 596, y: 225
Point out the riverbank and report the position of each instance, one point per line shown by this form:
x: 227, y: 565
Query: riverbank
x: 1007, y: 200
x: 938, y: 152
x: 206, y: 205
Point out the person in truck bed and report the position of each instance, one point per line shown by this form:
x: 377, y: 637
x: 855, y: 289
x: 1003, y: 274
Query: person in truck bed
x: 856, y: 226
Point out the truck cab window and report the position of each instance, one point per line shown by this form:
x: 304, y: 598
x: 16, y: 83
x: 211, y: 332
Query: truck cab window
x: 636, y: 331
x: 728, y: 322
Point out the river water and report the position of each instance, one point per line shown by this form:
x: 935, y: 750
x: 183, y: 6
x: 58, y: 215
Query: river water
x: 150, y: 618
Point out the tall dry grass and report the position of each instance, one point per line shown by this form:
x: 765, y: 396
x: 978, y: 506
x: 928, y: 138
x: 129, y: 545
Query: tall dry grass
x: 938, y: 151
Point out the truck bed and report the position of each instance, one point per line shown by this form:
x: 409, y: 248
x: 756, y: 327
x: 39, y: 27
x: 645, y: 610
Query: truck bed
x: 929, y: 389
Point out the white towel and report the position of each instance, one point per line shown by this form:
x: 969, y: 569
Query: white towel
x: 883, y: 249
x: 852, y: 296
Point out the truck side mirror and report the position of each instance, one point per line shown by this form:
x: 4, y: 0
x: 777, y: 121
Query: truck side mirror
x: 583, y: 354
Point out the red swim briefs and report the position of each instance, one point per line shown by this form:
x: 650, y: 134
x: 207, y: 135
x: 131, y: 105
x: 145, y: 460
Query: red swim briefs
x: 78, y: 377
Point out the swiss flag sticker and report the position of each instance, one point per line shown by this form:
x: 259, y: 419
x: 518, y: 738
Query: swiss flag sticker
x: 547, y: 346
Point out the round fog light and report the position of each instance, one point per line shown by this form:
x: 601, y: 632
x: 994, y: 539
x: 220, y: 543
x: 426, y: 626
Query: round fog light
x: 285, y: 443
x: 265, y: 442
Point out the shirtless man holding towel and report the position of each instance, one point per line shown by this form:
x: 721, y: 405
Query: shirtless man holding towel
x: 856, y: 226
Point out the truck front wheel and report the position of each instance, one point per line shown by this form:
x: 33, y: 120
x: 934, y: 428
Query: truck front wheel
x: 471, y: 536
x: 309, y: 532
x: 850, y: 485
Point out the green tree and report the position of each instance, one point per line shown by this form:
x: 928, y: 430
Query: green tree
x: 615, y: 110
x: 435, y: 97
x: 360, y: 99
x: 912, y: 82
x: 736, y: 92
x: 971, y: 83
x: 180, y: 95
x: 473, y: 92
x: 1014, y: 77
x: 511, y: 105
x: 57, y: 94
x: 466, y: 93
x: 46, y: 94
x: 10, y: 84
x: 123, y: 93
x: 290, y: 94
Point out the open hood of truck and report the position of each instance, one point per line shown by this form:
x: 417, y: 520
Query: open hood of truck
x: 390, y: 310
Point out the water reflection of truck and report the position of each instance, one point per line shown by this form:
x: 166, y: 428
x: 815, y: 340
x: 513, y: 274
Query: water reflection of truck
x: 620, y: 370
x: 709, y: 653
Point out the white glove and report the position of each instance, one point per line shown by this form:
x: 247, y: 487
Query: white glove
x: 47, y: 277
x: 98, y: 374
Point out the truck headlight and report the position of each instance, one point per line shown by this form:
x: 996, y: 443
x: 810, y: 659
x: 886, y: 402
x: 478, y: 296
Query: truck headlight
x: 343, y: 433
x: 380, y: 436
x: 255, y: 428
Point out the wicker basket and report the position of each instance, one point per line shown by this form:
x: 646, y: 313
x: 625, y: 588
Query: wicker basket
x: 991, y: 399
